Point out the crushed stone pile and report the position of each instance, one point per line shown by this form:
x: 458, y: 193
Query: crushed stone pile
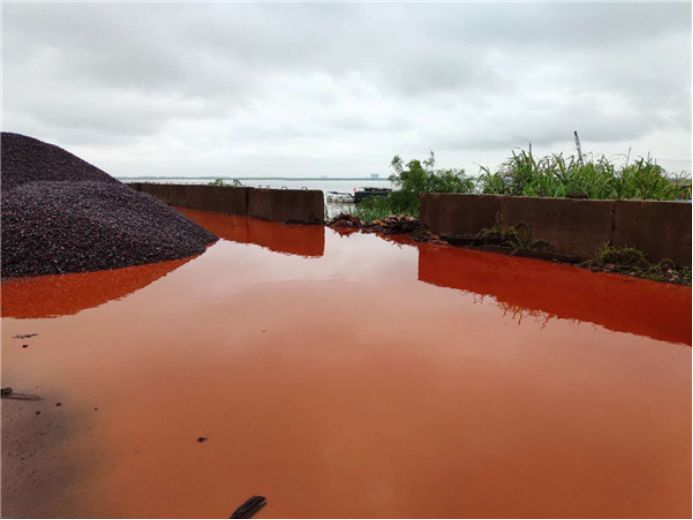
x: 25, y: 159
x: 60, y: 214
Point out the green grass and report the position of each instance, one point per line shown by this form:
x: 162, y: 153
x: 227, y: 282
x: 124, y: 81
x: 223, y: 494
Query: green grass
x: 525, y: 174
x: 557, y: 176
x: 628, y: 260
x: 374, y: 208
x: 518, y: 237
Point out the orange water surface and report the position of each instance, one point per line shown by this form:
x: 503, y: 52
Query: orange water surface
x: 345, y: 376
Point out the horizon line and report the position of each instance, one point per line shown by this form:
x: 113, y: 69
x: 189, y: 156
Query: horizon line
x: 255, y: 178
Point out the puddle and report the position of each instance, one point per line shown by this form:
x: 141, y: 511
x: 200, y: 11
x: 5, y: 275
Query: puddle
x: 346, y: 376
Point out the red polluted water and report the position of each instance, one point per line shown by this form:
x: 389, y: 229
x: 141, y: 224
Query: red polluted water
x: 345, y: 376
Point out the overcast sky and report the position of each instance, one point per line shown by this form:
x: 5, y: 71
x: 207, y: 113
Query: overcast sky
x: 338, y: 89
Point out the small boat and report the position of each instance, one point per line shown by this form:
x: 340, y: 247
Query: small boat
x: 363, y: 193
x: 339, y: 197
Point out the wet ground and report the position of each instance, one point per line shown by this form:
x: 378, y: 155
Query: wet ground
x: 346, y: 376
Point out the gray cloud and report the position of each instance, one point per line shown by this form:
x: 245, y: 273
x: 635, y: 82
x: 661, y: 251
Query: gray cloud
x: 339, y: 88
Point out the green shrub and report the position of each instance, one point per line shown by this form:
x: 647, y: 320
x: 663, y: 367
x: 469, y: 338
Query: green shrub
x: 373, y: 208
x: 412, y: 180
x: 646, y: 180
x: 623, y: 256
x: 518, y: 237
x: 632, y: 261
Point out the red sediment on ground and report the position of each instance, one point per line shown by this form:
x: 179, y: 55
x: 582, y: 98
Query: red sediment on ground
x: 295, y: 239
x: 57, y: 295
x: 660, y: 311
x: 347, y: 386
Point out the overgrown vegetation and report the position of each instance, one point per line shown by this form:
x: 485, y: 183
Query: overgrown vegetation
x: 374, y: 208
x: 524, y: 174
x: 557, y: 176
x: 517, y: 238
x: 551, y: 176
x: 624, y: 260
x: 411, y: 180
x: 627, y: 260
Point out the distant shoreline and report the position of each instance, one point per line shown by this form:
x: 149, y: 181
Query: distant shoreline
x: 323, y: 179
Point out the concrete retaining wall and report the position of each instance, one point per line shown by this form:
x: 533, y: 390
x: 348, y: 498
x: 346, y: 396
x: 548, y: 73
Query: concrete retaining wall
x: 455, y: 214
x: 304, y: 206
x: 658, y: 229
x: 299, y: 206
x: 571, y: 227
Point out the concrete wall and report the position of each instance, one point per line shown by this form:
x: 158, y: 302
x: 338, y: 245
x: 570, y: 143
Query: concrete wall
x: 658, y: 229
x: 221, y: 199
x: 299, y: 206
x: 456, y: 214
x: 572, y: 227
x: 304, y: 206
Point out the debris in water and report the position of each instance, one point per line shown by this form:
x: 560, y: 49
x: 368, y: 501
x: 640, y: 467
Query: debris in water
x: 201, y: 439
x: 421, y: 234
x: 9, y: 393
x: 24, y: 336
x: 38, y: 412
x: 346, y: 220
x: 58, y: 403
x: 393, y: 225
x: 25, y: 346
x: 250, y: 507
x: 399, y: 224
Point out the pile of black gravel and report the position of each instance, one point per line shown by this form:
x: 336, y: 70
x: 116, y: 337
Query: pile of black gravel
x: 62, y: 215
x: 25, y: 159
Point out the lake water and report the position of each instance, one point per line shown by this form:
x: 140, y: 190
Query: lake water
x: 345, y: 185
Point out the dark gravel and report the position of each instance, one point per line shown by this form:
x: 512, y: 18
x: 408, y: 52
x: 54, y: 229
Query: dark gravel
x: 25, y: 159
x: 62, y: 215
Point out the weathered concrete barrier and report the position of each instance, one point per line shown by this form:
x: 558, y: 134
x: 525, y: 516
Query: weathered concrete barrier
x: 458, y: 214
x: 222, y: 199
x: 571, y: 227
x: 299, y: 206
x: 658, y: 229
x: 304, y: 206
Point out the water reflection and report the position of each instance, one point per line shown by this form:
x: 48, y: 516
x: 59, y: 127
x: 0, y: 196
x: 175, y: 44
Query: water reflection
x: 526, y: 286
x: 343, y: 386
x: 57, y: 295
x: 303, y: 240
